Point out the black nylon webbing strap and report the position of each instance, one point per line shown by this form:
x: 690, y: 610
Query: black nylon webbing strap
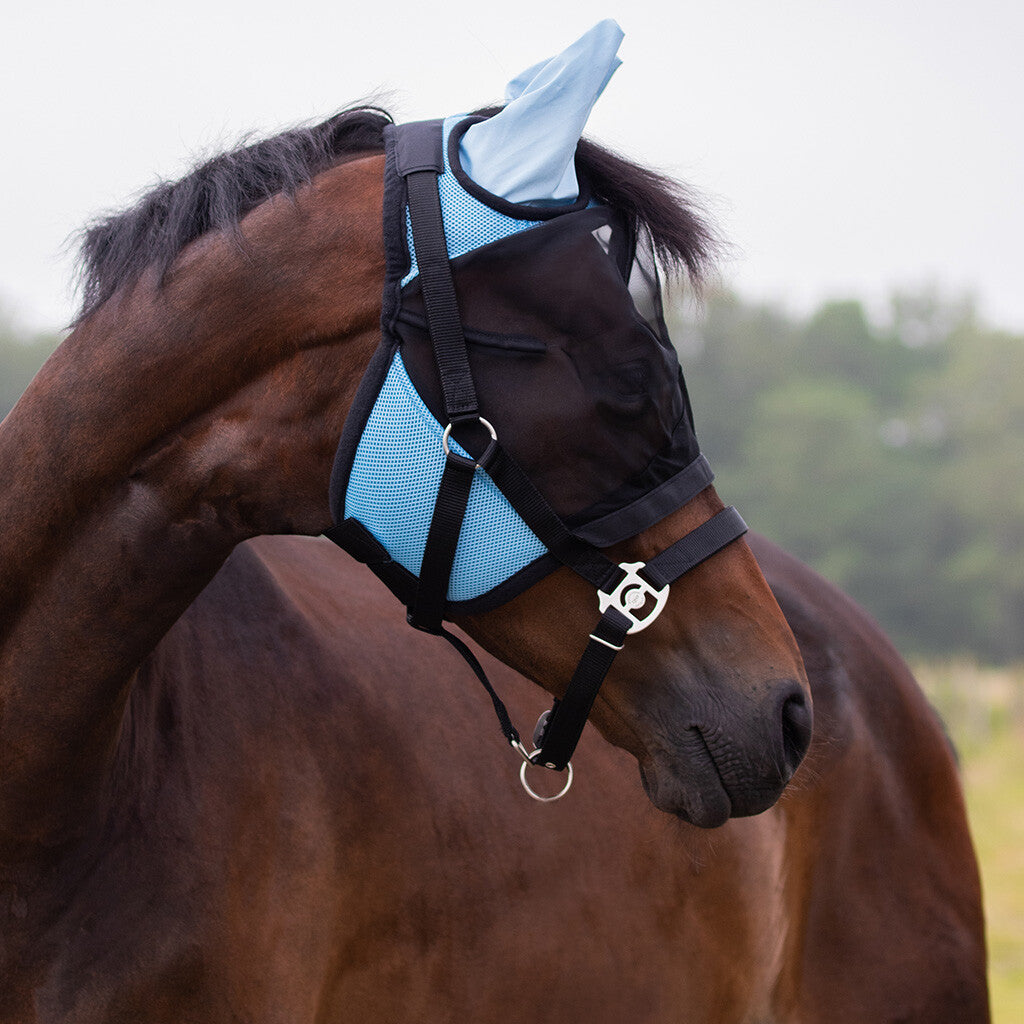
x: 427, y: 609
x: 569, y: 715
x: 444, y: 323
x: 698, y: 545
x: 442, y: 307
x: 580, y: 556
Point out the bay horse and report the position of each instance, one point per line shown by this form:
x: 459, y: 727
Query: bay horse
x: 234, y: 786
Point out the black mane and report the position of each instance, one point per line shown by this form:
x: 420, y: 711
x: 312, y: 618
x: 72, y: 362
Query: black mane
x: 115, y: 250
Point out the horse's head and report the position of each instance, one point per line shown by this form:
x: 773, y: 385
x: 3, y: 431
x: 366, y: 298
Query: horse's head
x: 589, y: 446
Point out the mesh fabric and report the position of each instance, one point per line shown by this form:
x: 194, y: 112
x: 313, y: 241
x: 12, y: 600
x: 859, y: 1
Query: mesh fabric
x: 468, y: 223
x: 393, y: 486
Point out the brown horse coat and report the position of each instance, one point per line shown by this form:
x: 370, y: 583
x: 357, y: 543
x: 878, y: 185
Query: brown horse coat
x: 313, y: 818
x: 234, y: 787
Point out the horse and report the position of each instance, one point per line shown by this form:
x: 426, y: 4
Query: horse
x: 235, y: 786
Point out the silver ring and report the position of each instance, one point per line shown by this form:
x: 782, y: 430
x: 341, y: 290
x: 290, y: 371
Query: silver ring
x: 448, y: 433
x: 537, y: 796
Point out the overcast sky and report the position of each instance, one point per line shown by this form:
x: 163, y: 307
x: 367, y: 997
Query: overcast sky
x: 846, y: 148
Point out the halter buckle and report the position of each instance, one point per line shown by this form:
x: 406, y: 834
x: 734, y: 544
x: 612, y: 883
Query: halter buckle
x: 634, y: 597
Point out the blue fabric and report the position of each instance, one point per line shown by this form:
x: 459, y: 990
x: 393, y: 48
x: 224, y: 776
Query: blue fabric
x: 525, y: 152
x: 468, y: 223
x: 393, y: 485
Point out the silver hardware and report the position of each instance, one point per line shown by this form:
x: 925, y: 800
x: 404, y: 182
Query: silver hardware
x: 631, y: 596
x: 614, y: 647
x: 517, y: 745
x: 448, y: 433
x: 536, y: 795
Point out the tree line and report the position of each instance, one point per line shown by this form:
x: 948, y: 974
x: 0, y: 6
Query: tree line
x: 21, y: 354
x: 890, y: 456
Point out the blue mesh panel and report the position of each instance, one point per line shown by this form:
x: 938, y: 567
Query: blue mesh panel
x: 468, y: 223
x: 393, y: 485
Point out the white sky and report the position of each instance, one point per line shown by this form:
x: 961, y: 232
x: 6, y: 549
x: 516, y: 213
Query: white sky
x: 847, y: 147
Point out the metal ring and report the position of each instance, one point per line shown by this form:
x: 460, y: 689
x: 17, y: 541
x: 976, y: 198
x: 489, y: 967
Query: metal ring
x: 448, y: 433
x: 537, y: 796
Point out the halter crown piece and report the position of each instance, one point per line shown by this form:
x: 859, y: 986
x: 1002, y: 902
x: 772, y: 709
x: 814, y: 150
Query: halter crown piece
x: 525, y: 407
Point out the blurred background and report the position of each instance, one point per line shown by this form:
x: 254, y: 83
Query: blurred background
x: 857, y: 369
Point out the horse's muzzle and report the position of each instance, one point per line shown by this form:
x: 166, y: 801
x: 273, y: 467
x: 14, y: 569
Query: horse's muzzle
x: 716, y: 769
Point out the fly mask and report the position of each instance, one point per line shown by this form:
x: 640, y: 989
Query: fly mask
x: 524, y: 409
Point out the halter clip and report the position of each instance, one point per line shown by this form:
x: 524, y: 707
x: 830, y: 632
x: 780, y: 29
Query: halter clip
x: 632, y: 596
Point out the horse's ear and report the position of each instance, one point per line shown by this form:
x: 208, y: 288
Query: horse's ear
x: 525, y: 153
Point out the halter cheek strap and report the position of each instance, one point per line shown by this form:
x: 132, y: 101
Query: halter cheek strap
x: 630, y: 595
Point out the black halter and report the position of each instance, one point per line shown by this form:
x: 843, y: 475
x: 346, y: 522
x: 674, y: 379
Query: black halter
x: 630, y: 596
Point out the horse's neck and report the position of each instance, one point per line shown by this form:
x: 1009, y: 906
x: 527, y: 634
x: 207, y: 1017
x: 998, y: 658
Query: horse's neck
x: 177, y: 421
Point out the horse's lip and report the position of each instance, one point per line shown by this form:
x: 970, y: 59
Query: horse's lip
x: 689, y: 786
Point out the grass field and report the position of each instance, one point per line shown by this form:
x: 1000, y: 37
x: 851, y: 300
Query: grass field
x: 984, y: 711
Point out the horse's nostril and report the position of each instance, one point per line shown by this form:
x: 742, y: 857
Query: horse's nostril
x: 796, y: 729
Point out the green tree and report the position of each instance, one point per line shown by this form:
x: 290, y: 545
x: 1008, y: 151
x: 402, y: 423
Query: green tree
x: 888, y: 457
x: 979, y: 400
x: 21, y: 355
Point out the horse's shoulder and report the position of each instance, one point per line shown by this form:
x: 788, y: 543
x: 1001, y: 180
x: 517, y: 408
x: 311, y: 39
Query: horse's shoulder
x: 877, y: 807
x: 871, y: 719
x: 291, y: 627
x: 846, y: 653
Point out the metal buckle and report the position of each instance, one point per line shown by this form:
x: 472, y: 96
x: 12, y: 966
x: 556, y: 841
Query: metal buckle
x: 607, y: 643
x: 632, y: 596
